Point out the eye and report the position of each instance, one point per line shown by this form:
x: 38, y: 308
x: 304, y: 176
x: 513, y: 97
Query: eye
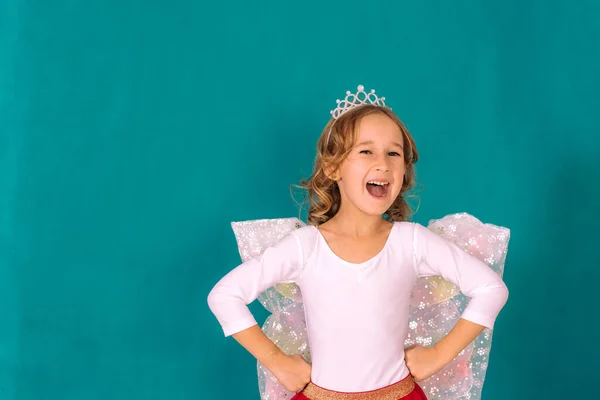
x: 365, y: 152
x: 394, y: 153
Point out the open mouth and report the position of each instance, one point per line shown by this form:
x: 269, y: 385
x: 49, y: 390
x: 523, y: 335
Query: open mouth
x: 377, y: 188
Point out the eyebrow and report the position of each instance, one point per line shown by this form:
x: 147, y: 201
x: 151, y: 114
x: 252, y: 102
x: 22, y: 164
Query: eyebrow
x: 371, y: 142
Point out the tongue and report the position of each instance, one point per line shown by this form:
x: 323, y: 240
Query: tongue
x: 376, y: 190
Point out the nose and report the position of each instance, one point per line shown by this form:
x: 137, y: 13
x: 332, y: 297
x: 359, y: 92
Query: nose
x: 382, y: 164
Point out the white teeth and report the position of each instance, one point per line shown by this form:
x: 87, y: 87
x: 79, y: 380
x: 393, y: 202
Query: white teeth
x: 379, y: 183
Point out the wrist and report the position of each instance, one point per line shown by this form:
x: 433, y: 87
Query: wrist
x: 443, y: 354
x: 273, y: 358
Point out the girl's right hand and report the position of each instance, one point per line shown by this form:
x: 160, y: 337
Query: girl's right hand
x: 293, y: 372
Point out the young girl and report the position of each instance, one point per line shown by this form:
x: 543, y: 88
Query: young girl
x: 356, y: 265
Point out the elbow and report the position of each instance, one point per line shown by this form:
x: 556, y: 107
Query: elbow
x: 495, y: 295
x: 213, y: 300
x: 231, y: 312
x: 499, y: 294
x: 221, y: 299
x: 499, y: 290
x: 504, y: 293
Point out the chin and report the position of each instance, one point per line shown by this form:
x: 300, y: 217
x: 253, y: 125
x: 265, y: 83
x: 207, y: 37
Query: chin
x: 375, y: 211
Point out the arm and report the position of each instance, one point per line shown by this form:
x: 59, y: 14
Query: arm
x: 293, y: 372
x: 436, y: 256
x: 229, y: 298
x: 463, y: 333
x: 424, y: 362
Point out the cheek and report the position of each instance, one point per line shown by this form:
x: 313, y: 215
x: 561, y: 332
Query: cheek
x: 404, y: 178
x: 400, y: 174
x: 354, y: 170
x: 353, y: 177
x: 400, y: 166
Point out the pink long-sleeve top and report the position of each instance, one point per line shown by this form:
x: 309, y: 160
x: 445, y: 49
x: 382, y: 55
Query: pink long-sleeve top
x: 357, y: 314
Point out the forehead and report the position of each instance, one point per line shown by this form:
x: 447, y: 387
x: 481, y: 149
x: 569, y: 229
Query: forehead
x: 379, y: 128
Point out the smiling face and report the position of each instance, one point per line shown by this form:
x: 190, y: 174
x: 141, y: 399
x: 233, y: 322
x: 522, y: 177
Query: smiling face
x: 370, y: 178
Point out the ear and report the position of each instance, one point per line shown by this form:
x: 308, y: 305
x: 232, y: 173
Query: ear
x: 331, y: 173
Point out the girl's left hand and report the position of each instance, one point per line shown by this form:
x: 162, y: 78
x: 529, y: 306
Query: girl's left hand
x: 422, y: 362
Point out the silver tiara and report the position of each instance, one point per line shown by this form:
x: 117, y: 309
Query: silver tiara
x: 357, y: 99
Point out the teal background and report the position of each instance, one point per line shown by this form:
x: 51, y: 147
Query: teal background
x: 133, y: 132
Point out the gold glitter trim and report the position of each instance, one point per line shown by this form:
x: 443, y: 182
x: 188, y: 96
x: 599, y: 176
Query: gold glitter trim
x: 392, y: 392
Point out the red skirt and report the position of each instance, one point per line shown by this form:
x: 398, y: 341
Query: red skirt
x: 406, y: 389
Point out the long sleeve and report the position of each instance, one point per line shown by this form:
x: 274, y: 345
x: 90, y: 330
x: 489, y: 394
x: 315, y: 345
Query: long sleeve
x: 229, y: 298
x: 435, y: 256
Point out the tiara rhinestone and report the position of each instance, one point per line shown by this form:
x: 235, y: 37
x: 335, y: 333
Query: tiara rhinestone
x: 357, y: 99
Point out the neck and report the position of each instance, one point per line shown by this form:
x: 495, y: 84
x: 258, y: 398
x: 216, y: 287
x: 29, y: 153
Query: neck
x: 357, y: 224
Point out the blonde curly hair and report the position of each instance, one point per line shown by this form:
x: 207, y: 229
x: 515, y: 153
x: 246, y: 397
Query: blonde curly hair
x: 323, y: 195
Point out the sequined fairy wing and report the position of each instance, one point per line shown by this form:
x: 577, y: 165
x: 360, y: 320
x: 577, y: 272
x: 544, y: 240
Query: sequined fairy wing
x: 436, y: 306
x: 253, y: 237
x: 286, y: 326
